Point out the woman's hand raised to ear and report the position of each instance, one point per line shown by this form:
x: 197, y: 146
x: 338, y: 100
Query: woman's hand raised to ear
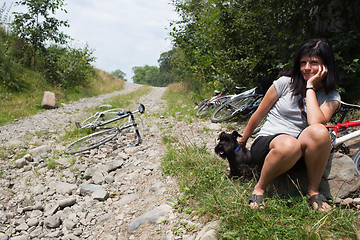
x: 318, y: 77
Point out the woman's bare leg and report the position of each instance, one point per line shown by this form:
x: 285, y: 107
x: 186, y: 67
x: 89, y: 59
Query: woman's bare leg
x: 285, y: 151
x: 316, y: 145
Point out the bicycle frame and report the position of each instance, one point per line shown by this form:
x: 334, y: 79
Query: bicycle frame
x: 218, y: 96
x: 213, y: 98
x: 96, y: 118
x: 251, y: 105
x: 106, y: 133
x: 131, y: 122
x: 340, y: 125
x: 121, y: 116
x: 337, y: 141
x: 246, y: 93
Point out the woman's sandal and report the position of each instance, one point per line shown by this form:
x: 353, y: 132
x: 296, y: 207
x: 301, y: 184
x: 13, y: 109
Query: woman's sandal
x: 319, y: 199
x: 257, y: 199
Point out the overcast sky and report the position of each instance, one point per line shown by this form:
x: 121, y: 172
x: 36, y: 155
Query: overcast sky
x: 122, y: 33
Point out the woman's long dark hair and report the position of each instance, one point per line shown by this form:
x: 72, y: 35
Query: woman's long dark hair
x: 320, y: 48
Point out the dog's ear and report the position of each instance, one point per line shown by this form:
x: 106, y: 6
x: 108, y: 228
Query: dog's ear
x: 221, y: 135
x: 236, y: 134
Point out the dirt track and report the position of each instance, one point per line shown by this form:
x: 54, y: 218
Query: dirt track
x: 110, y: 192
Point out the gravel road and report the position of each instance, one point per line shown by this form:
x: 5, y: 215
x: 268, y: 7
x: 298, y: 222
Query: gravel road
x: 111, y: 192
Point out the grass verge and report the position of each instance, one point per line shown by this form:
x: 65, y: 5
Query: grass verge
x: 14, y: 106
x: 180, y: 102
x: 206, y: 191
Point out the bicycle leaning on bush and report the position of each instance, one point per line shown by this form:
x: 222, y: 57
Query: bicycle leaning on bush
x: 107, y: 125
x: 245, y: 102
x: 207, y: 105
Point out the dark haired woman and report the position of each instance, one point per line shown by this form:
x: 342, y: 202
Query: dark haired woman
x: 297, y: 107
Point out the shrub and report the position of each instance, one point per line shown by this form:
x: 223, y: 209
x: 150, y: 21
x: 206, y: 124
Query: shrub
x: 8, y: 77
x: 69, y: 67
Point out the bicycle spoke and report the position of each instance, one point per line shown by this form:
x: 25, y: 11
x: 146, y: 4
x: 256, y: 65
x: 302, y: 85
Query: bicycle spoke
x: 91, y: 141
x: 230, y: 109
x: 204, y: 109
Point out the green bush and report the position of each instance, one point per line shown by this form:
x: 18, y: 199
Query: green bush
x: 69, y: 67
x: 8, y: 67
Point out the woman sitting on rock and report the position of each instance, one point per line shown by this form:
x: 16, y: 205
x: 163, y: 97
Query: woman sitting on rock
x: 297, y: 107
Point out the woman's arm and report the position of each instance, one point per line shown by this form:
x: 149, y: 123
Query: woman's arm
x: 316, y: 113
x: 266, y: 104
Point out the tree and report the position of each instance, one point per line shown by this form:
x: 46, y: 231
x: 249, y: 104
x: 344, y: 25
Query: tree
x: 39, y: 26
x: 156, y: 76
x: 146, y: 75
x: 242, y: 40
x: 118, y: 73
x: 4, y: 15
x: 167, y: 69
x: 69, y: 67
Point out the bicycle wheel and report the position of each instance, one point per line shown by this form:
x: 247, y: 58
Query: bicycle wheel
x: 89, y: 122
x: 356, y: 159
x: 231, y: 109
x: 91, y: 141
x: 204, y: 109
x: 100, y: 117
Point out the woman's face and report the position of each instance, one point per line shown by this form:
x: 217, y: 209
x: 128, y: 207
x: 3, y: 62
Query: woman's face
x: 309, y: 65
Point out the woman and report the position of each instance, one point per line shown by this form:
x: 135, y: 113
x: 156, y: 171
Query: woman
x: 296, y: 107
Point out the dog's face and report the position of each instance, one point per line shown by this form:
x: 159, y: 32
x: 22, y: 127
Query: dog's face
x: 239, y: 157
x: 227, y: 144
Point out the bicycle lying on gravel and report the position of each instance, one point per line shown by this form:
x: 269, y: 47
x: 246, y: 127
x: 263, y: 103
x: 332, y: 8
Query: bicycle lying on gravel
x: 207, y: 105
x: 344, y: 131
x: 106, y: 126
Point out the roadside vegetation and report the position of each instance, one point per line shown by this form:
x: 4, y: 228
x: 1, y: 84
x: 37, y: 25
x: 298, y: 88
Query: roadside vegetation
x: 221, y: 43
x: 16, y: 105
x: 180, y: 101
x: 206, y: 191
x: 35, y: 56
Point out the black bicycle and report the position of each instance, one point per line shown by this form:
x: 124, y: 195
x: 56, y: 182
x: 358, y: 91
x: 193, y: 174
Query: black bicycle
x: 107, y: 125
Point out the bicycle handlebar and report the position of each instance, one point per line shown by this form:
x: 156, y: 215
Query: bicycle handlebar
x: 141, y: 109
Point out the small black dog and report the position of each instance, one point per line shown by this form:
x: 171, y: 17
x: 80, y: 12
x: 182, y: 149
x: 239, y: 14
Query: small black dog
x: 238, y: 156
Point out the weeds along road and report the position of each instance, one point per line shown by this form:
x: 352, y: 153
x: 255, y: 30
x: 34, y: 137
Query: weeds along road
x: 109, y: 192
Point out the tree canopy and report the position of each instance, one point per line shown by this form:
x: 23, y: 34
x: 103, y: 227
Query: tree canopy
x: 38, y: 25
x: 157, y: 76
x: 241, y: 40
x: 36, y: 34
x: 119, y: 74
